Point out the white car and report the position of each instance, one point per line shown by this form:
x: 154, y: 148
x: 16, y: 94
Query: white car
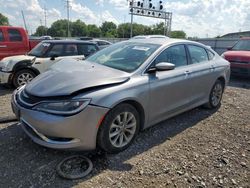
x: 21, y: 69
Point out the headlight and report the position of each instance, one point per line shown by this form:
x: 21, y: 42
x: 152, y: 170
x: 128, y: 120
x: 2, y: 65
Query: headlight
x: 67, y: 107
x: 7, y: 67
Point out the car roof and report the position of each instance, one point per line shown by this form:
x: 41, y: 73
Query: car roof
x: 164, y: 41
x: 67, y: 41
x: 149, y: 36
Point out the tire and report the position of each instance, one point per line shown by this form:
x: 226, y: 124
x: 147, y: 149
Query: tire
x: 115, y: 134
x: 23, y: 77
x: 215, y: 95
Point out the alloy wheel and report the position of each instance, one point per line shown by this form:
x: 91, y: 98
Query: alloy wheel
x: 24, y: 78
x: 122, y: 129
x: 217, y: 94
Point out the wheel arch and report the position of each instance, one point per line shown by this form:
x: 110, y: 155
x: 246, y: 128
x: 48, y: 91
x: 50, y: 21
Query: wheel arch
x: 138, y: 107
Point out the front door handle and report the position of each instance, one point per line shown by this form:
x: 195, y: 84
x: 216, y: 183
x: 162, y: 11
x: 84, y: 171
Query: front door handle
x: 3, y: 46
x: 212, y: 67
x: 187, y: 72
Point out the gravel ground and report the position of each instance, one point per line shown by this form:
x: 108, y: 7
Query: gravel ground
x: 199, y: 148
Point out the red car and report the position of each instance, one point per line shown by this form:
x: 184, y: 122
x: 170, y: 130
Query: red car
x: 14, y: 41
x: 239, y: 57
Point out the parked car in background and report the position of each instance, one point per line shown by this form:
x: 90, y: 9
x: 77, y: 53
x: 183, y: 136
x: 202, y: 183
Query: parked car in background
x: 15, y: 41
x: 101, y: 43
x: 150, y: 37
x: 239, y: 57
x: 45, y: 37
x: 118, y: 91
x: 19, y: 70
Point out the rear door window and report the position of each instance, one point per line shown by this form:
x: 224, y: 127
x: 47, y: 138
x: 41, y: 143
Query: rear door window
x: 86, y: 49
x: 14, y: 35
x: 197, y: 54
x: 56, y: 50
x: 70, y: 50
x: 1, y: 36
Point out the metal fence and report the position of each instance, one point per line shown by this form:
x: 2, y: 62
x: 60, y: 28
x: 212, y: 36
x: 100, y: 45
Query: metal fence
x: 218, y: 45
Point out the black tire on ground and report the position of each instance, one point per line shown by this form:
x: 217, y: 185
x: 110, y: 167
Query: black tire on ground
x: 217, y: 92
x: 19, y: 74
x: 107, y: 126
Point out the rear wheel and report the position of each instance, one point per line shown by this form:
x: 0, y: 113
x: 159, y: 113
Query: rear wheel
x: 216, y: 95
x: 119, y: 128
x: 23, y: 77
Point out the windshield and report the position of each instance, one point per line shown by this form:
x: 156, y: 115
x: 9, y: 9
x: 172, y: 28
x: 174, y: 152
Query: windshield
x: 39, y: 50
x: 125, y: 56
x: 243, y: 45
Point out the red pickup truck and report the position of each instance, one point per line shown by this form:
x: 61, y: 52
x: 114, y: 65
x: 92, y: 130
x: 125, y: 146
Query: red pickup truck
x: 14, y: 41
x: 239, y: 57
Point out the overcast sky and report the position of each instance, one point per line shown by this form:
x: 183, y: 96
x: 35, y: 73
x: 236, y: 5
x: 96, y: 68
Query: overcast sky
x: 200, y: 18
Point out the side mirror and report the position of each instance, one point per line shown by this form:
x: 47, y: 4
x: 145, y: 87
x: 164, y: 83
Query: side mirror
x: 164, y: 66
x: 53, y: 57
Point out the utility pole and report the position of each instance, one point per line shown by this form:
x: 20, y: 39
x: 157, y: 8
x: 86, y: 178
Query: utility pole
x: 24, y: 21
x: 132, y: 15
x: 45, y: 19
x: 68, y: 7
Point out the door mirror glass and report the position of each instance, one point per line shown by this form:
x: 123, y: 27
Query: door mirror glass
x: 164, y: 66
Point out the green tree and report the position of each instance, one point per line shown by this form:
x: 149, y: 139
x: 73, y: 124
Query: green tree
x: 79, y: 28
x: 59, y: 28
x: 94, y: 31
x: 123, y: 30
x: 4, y: 20
x: 178, y: 34
x: 109, y: 29
x: 158, y: 29
x: 40, y: 31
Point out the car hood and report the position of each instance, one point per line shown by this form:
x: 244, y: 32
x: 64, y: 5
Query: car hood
x: 237, y: 56
x: 69, y: 76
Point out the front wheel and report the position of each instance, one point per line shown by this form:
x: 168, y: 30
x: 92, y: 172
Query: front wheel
x: 215, y: 95
x: 119, y: 128
x: 23, y: 77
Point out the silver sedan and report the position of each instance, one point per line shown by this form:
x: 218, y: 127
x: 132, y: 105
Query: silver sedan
x: 108, y: 98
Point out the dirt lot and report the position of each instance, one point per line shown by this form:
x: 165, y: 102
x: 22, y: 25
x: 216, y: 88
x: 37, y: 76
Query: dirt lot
x: 200, y: 148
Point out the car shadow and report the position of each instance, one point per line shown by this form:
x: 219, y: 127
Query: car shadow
x: 25, y: 163
x: 239, y: 82
x: 5, y: 90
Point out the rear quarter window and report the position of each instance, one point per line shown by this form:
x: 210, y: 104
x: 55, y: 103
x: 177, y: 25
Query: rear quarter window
x: 14, y: 35
x: 210, y: 55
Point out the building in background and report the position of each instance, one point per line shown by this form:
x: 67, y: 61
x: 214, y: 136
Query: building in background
x: 237, y: 34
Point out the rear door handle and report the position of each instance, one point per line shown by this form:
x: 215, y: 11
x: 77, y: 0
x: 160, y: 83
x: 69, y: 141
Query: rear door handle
x: 3, y: 46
